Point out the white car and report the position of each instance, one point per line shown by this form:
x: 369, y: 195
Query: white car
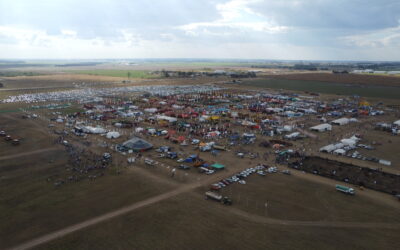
x: 210, y: 172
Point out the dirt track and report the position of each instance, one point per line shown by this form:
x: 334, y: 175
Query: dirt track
x: 329, y: 224
x: 39, y: 151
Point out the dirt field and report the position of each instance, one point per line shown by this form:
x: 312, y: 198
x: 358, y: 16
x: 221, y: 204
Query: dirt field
x: 287, y: 223
x: 343, y: 78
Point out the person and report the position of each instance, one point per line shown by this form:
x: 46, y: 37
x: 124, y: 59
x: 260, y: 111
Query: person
x: 173, y: 172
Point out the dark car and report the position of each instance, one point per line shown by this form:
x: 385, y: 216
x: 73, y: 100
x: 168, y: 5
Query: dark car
x: 183, y: 167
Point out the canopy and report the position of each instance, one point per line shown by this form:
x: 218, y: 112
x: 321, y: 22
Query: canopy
x: 112, y: 135
x: 217, y: 166
x: 137, y: 144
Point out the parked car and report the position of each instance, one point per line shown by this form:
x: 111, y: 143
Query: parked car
x: 183, y: 167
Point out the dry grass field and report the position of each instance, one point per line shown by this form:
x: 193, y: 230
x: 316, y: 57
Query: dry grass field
x: 359, y: 79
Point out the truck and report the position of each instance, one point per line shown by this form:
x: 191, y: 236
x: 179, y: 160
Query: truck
x: 217, y: 197
x: 345, y: 189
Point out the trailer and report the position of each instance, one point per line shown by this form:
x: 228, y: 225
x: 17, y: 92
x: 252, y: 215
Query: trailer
x: 219, y: 147
x: 217, y: 197
x: 345, y: 189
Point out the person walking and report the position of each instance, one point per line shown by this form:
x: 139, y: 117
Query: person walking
x: 173, y: 172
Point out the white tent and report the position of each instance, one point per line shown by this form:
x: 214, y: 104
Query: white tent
x: 341, y: 121
x: 385, y: 162
x: 94, y: 130
x: 112, y: 135
x: 177, y: 106
x: 348, y: 142
x: 150, y: 110
x: 292, y: 135
x: 340, y: 151
x: 397, y: 123
x: 151, y: 131
x: 328, y: 148
x: 138, y: 130
x: 287, y: 128
x: 166, y: 118
x: 322, y: 127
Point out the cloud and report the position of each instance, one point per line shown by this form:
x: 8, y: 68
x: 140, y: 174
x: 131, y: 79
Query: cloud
x: 276, y: 29
x: 331, y: 14
x: 235, y: 16
x: 389, y: 37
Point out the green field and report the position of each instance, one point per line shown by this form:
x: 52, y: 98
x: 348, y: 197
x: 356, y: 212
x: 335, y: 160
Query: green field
x: 118, y: 73
x: 328, y: 88
x: 19, y: 73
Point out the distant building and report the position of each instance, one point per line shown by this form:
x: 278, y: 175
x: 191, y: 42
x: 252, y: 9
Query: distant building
x: 220, y: 72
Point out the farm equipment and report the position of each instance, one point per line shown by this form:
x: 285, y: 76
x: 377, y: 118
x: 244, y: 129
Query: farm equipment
x: 219, y: 147
x: 217, y: 197
x: 345, y: 189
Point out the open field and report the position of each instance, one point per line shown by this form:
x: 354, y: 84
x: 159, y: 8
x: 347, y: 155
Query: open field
x: 195, y: 223
x: 357, y: 79
x: 374, y: 91
x: 127, y: 74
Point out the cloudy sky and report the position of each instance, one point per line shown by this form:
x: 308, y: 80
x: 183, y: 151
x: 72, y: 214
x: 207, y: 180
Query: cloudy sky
x: 251, y: 29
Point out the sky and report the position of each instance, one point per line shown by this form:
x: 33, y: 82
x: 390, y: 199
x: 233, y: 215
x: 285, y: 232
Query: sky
x: 243, y: 29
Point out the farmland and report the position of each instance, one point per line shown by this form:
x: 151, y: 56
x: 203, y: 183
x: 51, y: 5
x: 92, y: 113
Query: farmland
x: 118, y: 73
x: 374, y: 91
x: 352, y: 79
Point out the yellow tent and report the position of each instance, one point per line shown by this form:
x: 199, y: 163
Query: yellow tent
x: 364, y: 103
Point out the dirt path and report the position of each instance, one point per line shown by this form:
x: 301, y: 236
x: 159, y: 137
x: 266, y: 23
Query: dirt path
x: 329, y: 224
x: 107, y: 216
x: 39, y: 151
